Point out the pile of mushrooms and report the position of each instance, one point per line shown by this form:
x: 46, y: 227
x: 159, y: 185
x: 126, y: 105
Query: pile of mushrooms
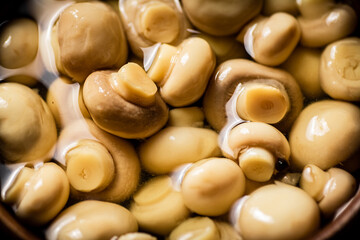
x: 168, y: 119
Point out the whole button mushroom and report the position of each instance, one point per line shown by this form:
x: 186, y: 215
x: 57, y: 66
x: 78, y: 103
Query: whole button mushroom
x: 340, y: 69
x: 325, y: 134
x: 148, y: 22
x: 323, y: 22
x: 99, y: 165
x: 38, y: 195
x: 19, y: 43
x: 125, y: 103
x: 271, y: 40
x: 92, y: 219
x: 260, y: 149
x: 221, y: 18
x: 85, y: 43
x: 330, y: 189
x: 183, y: 72
x: 210, y: 186
x: 158, y: 207
x: 27, y: 128
x: 277, y: 211
x: 186, y: 145
x: 253, y: 92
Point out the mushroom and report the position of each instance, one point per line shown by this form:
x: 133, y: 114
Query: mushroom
x: 260, y: 148
x: 182, y: 72
x: 64, y: 98
x: 136, y: 236
x: 38, y: 195
x: 186, y: 117
x: 329, y: 125
x: 210, y: 186
x: 323, y: 22
x: 277, y: 211
x: 92, y: 220
x: 186, y: 145
x: 19, y: 43
x: 125, y: 103
x: 85, y: 43
x: 158, y: 207
x: 22, y: 79
x: 27, y: 128
x: 307, y: 76
x: 252, y: 92
x: 330, y: 188
x: 220, y: 18
x: 99, y: 165
x: 340, y: 69
x: 271, y: 40
x: 148, y: 22
x: 273, y: 6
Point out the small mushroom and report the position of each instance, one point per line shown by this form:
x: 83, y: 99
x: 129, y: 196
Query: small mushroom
x: 323, y: 22
x: 273, y: 6
x: 148, y: 22
x: 183, y: 72
x: 92, y: 220
x: 340, y: 69
x: 158, y: 207
x: 186, y: 117
x: 85, y: 43
x: 261, y: 94
x: 271, y: 40
x: 259, y: 147
x: 277, y: 211
x: 329, y: 125
x: 27, y: 128
x: 125, y: 103
x: 186, y: 145
x: 38, y: 195
x: 307, y: 76
x: 19, y: 43
x: 99, y: 165
x: 210, y: 186
x: 330, y: 189
x: 220, y: 18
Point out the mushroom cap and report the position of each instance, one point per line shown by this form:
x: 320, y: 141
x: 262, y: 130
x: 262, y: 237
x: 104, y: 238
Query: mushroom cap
x: 220, y: 18
x: 230, y: 74
x: 326, y: 133
x: 115, y: 115
x: 88, y: 43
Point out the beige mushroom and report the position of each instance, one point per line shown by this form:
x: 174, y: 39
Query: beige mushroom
x: 183, y: 72
x: 27, y: 128
x: 323, y: 22
x: 38, y: 195
x: 19, y: 43
x: 325, y: 134
x: 220, y: 18
x: 273, y: 96
x: 277, y: 211
x: 330, y: 189
x: 260, y: 149
x: 186, y: 145
x: 125, y: 103
x: 186, y: 117
x: 273, y: 6
x: 105, y: 40
x: 307, y: 76
x: 271, y: 40
x: 148, y: 22
x: 99, y: 165
x: 340, y: 69
x: 92, y: 220
x: 158, y: 207
x: 210, y: 186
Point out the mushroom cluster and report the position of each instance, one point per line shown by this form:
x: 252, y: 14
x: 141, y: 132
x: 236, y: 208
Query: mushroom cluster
x: 169, y: 119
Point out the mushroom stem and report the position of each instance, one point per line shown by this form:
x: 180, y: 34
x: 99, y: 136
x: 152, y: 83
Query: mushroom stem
x: 132, y: 83
x: 261, y: 102
x: 257, y: 163
x: 162, y: 62
x: 90, y: 166
x: 313, y: 180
